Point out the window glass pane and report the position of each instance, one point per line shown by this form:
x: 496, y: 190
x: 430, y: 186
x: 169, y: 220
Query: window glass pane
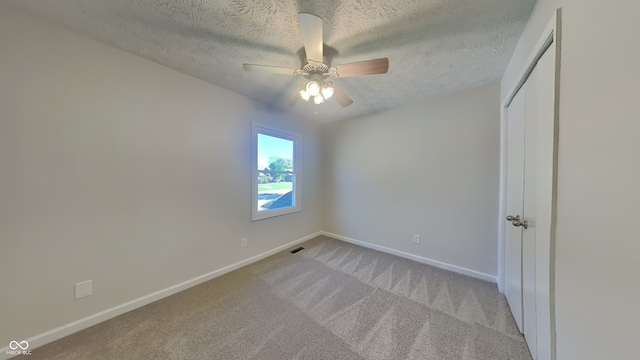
x: 274, y: 153
x: 274, y: 194
x: 275, y: 172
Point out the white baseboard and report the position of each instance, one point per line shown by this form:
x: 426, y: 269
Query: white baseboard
x: 424, y: 260
x: 70, y: 328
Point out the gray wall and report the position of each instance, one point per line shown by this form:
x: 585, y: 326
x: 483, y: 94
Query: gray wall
x: 122, y: 171
x: 428, y: 168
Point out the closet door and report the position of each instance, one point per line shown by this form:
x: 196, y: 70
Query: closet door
x: 528, y: 250
x: 514, y: 201
x: 542, y: 214
x: 529, y: 214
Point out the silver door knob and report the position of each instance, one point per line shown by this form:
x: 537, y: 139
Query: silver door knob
x: 524, y: 223
x: 513, y: 218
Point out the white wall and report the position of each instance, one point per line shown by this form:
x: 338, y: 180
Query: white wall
x: 429, y: 168
x: 598, y: 240
x: 116, y: 169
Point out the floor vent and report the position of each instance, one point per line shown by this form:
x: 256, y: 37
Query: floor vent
x: 296, y: 250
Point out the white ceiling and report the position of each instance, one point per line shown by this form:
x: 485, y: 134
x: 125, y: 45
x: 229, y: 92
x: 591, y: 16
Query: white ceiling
x: 434, y: 46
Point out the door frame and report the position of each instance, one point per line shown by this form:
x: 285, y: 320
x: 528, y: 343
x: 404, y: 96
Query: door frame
x: 551, y: 36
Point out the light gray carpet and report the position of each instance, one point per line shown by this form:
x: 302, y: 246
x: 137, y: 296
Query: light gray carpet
x: 332, y: 300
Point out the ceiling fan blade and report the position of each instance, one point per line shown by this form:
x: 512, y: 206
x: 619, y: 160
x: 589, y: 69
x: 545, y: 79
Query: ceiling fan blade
x: 341, y: 97
x: 269, y: 69
x: 293, y: 99
x: 311, y: 27
x: 369, y: 67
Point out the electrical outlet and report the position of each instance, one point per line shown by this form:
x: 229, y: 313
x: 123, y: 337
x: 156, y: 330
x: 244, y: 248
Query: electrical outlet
x: 84, y: 289
x: 416, y: 238
x: 243, y: 242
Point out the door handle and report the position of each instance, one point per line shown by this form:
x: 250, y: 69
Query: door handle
x: 515, y: 221
x: 523, y: 223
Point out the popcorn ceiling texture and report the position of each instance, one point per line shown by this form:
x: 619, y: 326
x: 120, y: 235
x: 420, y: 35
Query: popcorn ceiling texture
x: 434, y: 47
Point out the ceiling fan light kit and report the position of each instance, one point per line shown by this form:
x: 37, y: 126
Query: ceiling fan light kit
x: 319, y: 90
x: 316, y: 70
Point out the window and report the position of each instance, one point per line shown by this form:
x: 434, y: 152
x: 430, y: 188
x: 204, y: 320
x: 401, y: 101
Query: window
x: 276, y: 172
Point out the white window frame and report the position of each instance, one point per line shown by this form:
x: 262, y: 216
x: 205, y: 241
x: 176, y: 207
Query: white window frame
x: 258, y: 128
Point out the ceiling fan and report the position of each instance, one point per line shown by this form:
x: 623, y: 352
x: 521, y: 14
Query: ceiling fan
x: 318, y: 69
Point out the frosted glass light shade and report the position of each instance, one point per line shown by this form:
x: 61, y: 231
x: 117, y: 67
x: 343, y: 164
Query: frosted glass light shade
x: 304, y: 95
x: 318, y: 99
x: 327, y: 92
x: 313, y: 88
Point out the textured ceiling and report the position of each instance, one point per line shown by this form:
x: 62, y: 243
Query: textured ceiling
x: 434, y: 46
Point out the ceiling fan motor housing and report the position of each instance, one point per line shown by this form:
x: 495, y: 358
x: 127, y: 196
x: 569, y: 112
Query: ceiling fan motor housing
x: 316, y: 66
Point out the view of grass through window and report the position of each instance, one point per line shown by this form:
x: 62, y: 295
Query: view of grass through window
x: 276, y: 176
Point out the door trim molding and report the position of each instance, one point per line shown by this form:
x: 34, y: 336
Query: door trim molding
x: 551, y: 36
